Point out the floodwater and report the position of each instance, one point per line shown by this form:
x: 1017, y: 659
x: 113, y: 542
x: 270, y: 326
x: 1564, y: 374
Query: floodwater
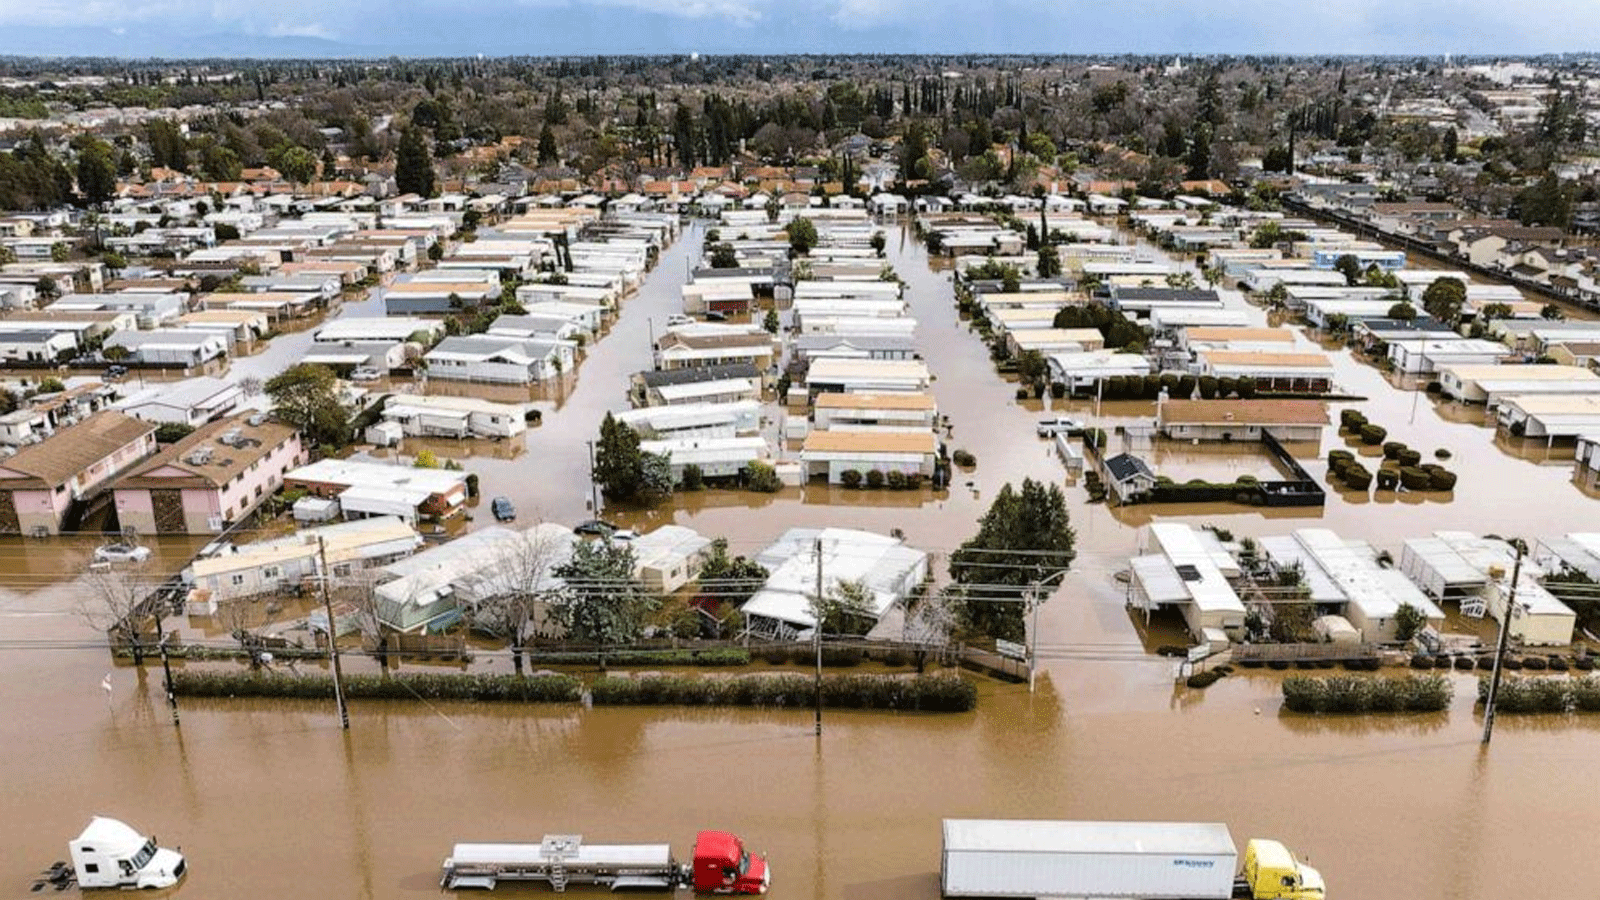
x: 272, y: 799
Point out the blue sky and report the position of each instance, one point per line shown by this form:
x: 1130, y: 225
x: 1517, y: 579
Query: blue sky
x: 495, y: 27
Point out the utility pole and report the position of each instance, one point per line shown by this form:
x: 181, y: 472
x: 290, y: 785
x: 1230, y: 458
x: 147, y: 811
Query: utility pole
x: 1500, y: 648
x: 166, y: 663
x: 333, y: 634
x: 594, y: 488
x: 1033, y: 635
x: 817, y: 633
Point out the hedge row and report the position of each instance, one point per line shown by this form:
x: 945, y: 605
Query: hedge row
x: 934, y: 693
x: 1536, y: 695
x: 1350, y: 694
x: 627, y: 658
x: 428, y: 686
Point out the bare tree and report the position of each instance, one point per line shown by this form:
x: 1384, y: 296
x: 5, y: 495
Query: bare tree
x: 117, y: 602
x: 518, y: 584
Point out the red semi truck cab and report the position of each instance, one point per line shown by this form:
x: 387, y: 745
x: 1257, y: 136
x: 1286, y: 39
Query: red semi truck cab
x: 722, y: 865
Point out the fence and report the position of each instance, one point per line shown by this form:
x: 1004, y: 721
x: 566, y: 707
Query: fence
x: 1302, y: 652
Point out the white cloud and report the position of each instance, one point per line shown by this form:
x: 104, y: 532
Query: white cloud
x: 738, y: 12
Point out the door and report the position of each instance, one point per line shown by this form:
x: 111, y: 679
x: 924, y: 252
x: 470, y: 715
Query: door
x: 166, y: 507
x: 9, y: 523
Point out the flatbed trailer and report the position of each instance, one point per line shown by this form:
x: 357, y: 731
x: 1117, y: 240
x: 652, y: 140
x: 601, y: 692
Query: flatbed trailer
x: 562, y: 859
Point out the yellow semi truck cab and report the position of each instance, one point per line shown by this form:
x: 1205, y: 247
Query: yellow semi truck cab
x: 1272, y: 873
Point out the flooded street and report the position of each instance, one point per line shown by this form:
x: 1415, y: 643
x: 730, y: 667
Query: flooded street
x: 272, y: 800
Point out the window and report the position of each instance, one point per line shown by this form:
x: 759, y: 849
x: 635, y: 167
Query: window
x: 91, y: 868
x: 237, y: 580
x: 269, y: 572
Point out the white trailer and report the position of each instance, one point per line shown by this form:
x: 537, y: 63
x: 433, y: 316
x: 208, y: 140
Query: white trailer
x: 109, y: 854
x: 560, y: 860
x: 1145, y: 860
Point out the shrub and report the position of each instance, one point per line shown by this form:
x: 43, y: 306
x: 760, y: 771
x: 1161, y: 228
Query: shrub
x: 1485, y: 663
x: 776, y: 656
x: 731, y: 656
x: 1373, y: 435
x: 874, y: 478
x: 895, y: 658
x: 1351, y: 693
x: 850, y: 478
x: 1421, y: 661
x: 1531, y: 695
x: 1204, y: 679
x: 1336, y: 457
x: 1388, y: 479
x: 1535, y: 664
x: 1442, y: 480
x: 1586, y: 694
x: 896, y: 480
x: 1441, y: 453
x: 1058, y: 389
x: 428, y: 686
x: 1391, y: 449
x: 1409, y: 457
x: 1512, y: 664
x: 1208, y: 387
x: 1463, y: 662
x: 1559, y: 664
x: 762, y: 478
x: 1022, y: 393
x: 963, y: 458
x: 931, y: 693
x: 841, y: 657
x: 1351, y: 419
x: 1356, y: 477
x: 1583, y: 664
x: 693, y: 478
x: 1414, y: 479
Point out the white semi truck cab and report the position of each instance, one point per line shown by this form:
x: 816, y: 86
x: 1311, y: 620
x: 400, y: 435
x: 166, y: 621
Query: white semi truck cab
x: 109, y: 854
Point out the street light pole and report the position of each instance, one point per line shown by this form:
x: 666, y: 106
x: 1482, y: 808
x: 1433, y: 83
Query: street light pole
x: 1500, y: 648
x: 816, y: 633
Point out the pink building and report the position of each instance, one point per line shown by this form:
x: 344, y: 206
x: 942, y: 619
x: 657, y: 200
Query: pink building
x: 210, y: 479
x: 40, y: 483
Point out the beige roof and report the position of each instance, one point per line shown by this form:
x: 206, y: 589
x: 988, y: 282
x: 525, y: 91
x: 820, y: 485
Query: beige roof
x: 73, y: 449
x: 1259, y: 335
x: 1519, y: 372
x: 874, y: 401
x: 1249, y: 412
x: 436, y: 287
x: 172, y: 468
x: 870, y: 442
x: 1253, y: 358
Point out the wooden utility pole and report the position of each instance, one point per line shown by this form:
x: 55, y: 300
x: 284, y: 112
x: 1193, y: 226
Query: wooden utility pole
x: 333, y: 634
x: 817, y: 633
x: 166, y: 663
x: 1500, y: 648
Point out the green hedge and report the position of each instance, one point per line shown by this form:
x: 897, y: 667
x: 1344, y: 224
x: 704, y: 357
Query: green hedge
x: 626, y: 658
x: 428, y: 686
x: 1351, y: 694
x: 931, y: 693
x: 1546, y: 695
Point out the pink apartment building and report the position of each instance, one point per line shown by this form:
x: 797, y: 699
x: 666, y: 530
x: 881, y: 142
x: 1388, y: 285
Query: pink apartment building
x: 39, y: 484
x: 210, y: 479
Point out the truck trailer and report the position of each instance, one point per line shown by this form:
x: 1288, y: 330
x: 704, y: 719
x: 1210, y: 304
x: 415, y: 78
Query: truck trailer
x: 1132, y: 860
x: 110, y: 854
x: 720, y: 865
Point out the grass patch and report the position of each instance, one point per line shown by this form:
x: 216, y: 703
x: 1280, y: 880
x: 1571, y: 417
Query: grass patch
x: 929, y: 693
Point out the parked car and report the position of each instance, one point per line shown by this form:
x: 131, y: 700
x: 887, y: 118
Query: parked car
x: 365, y: 374
x: 624, y: 534
x: 716, y: 316
x: 121, y: 552
x: 679, y: 319
x: 595, y: 528
x: 1057, y: 425
x: 503, y: 510
x: 114, y: 372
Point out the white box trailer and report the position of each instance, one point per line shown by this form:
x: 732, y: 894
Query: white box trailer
x: 1145, y: 860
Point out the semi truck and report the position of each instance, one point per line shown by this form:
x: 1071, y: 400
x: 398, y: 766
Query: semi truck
x: 110, y: 854
x: 1132, y: 860
x: 719, y: 864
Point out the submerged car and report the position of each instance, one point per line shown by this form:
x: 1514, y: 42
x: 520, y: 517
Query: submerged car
x: 121, y: 552
x: 595, y: 528
x: 1057, y: 425
x: 503, y: 510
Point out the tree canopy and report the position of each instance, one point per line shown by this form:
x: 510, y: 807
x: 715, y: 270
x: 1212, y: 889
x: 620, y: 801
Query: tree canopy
x: 413, y: 165
x: 1025, y: 537
x: 602, y: 603
x: 1444, y: 298
x: 305, y: 396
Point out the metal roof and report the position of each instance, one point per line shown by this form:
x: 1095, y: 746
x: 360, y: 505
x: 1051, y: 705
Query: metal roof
x: 1035, y: 836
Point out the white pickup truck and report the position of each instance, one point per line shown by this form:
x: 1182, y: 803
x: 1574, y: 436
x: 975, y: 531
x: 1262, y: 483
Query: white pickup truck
x: 1057, y: 425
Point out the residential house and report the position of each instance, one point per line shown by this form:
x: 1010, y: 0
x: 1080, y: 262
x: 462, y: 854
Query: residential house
x: 711, y: 384
x: 851, y: 346
x: 40, y: 483
x: 833, y: 452
x: 169, y: 347
x: 698, y: 346
x: 456, y: 417
x: 284, y: 563
x: 694, y: 420
x: 867, y: 376
x: 783, y: 608
x: 875, y: 412
x: 1189, y: 570
x: 1127, y: 475
x: 1085, y: 371
x: 716, y: 457
x: 1346, y: 575
x: 1242, y: 420
x: 431, y: 590
x: 211, y: 479
x: 193, y: 402
x: 501, y: 360
x: 367, y: 488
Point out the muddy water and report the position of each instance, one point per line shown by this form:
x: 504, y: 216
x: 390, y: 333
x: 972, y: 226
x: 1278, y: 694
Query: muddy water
x: 273, y: 800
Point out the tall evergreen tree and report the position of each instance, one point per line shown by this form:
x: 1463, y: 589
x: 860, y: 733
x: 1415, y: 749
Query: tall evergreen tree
x: 1025, y: 537
x: 413, y: 165
x: 548, y: 155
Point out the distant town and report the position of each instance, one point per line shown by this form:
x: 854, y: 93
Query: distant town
x: 652, y: 376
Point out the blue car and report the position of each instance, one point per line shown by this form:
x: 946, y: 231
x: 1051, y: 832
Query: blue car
x: 503, y: 510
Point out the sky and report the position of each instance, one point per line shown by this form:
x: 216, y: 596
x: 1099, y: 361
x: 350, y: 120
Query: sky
x: 538, y: 27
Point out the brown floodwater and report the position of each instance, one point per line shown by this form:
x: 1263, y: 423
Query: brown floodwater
x: 273, y: 799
